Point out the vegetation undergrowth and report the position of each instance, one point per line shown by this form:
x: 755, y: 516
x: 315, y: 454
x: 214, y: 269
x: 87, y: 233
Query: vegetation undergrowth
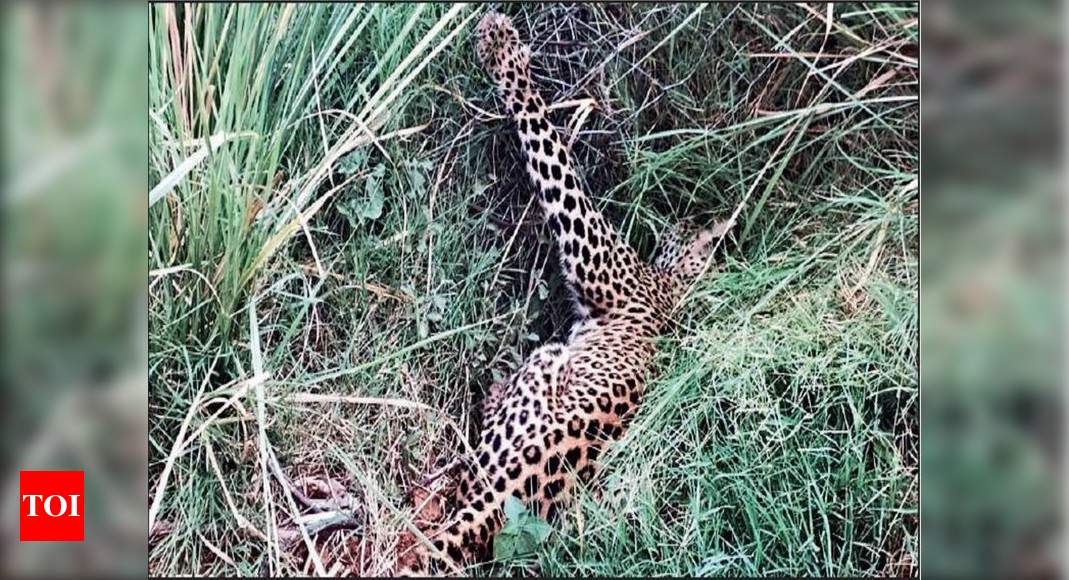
x: 344, y: 256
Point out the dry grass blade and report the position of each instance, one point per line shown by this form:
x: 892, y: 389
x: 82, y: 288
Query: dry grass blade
x: 163, y: 272
x: 876, y: 83
x: 854, y: 37
x: 369, y: 137
x: 219, y: 553
x: 168, y: 183
x: 240, y: 390
x: 295, y: 513
x: 242, y: 522
x: 324, y: 398
x: 273, y: 555
x: 176, y: 451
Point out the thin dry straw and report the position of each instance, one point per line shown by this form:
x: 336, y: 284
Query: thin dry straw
x: 168, y: 183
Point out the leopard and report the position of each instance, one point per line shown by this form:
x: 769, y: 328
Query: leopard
x: 546, y: 426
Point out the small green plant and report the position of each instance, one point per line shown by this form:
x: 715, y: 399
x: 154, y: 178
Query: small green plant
x: 368, y: 207
x: 522, y: 534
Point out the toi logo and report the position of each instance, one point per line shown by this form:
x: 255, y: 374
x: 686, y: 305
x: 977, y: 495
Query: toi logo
x: 51, y: 506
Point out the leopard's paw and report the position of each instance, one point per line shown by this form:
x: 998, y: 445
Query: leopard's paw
x: 498, y: 48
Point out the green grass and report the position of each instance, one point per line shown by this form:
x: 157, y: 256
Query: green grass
x: 779, y: 435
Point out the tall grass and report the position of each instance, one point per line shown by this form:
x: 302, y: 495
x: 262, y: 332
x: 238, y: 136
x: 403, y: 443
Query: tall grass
x: 363, y: 235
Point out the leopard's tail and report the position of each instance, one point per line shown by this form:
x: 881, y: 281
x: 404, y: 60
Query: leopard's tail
x: 600, y: 269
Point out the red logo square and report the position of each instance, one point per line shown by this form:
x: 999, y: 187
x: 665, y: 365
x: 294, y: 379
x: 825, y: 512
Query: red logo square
x: 51, y: 506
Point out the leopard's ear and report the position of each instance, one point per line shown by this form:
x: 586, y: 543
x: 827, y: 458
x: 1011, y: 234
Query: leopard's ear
x: 721, y: 228
x: 696, y: 256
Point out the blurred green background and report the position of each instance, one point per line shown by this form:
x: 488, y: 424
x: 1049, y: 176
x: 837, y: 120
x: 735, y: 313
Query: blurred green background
x: 993, y: 291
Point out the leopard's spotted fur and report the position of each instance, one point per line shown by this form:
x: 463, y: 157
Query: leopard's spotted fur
x: 547, y: 425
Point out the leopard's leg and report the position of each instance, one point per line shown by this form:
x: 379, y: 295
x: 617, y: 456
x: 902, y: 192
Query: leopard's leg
x: 602, y: 271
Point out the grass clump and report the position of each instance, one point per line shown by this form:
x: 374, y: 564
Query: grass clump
x: 337, y: 285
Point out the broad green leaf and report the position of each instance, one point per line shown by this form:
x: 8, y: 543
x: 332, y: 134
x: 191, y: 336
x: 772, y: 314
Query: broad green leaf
x: 514, y: 508
x: 524, y: 531
x: 353, y: 162
x: 525, y: 545
x: 504, y: 546
x: 539, y: 529
x: 373, y: 187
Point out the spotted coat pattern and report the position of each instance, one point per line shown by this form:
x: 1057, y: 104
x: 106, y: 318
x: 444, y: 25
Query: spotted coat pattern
x: 545, y: 427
